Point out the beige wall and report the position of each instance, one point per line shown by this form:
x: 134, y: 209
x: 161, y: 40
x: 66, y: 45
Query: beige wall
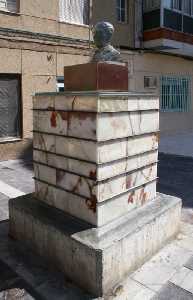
x: 39, y: 71
x: 38, y: 61
x: 42, y: 16
x: 106, y: 11
x: 144, y: 64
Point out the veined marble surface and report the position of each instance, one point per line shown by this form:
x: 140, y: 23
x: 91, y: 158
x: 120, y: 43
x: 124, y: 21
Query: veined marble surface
x: 89, y: 210
x: 92, y: 170
x: 91, y: 151
x: 96, y: 127
x: 95, y: 154
x: 89, y: 188
x: 96, y: 101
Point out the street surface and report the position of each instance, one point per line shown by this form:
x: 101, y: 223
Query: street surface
x: 168, y: 275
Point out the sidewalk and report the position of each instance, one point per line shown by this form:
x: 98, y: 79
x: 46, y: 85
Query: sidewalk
x: 169, y: 274
x: 15, y: 180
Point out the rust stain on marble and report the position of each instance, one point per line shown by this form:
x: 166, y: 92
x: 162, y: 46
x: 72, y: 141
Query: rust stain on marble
x: 59, y: 175
x: 92, y: 203
x: 53, y: 119
x: 157, y: 137
x: 92, y: 174
x: 85, y: 115
x: 143, y: 196
x: 73, y: 102
x: 76, y: 186
x: 64, y: 115
x: 128, y: 181
x: 131, y: 198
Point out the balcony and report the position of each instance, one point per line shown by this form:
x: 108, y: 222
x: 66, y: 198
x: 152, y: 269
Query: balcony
x: 168, y: 26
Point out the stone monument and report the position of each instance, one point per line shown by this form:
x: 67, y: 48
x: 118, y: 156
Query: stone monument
x: 102, y: 35
x: 95, y: 214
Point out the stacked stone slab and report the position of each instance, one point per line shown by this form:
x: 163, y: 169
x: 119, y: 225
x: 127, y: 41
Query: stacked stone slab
x: 95, y: 214
x: 95, y: 154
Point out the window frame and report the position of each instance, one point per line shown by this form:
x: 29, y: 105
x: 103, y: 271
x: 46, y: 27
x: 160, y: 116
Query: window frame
x: 185, y: 106
x: 16, y: 11
x: 118, y: 7
x: 182, y: 11
x: 20, y: 108
x: 62, y: 15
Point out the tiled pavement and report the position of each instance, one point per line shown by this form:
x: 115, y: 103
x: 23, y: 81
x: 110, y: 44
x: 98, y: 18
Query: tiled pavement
x: 168, y: 275
x: 15, y: 179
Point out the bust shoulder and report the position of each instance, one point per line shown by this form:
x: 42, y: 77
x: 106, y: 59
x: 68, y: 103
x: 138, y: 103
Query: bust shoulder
x: 108, y: 53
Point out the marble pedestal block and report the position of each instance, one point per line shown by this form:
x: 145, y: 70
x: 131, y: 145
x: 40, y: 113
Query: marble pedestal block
x: 95, y: 259
x: 95, y: 153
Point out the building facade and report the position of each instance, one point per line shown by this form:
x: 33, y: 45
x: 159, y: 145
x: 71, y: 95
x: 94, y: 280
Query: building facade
x: 156, y: 38
x: 38, y: 38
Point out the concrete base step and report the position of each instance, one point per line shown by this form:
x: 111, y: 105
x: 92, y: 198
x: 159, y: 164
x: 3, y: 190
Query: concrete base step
x: 95, y: 259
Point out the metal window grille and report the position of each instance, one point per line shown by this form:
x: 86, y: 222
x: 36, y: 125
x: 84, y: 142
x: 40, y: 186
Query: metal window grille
x: 187, y: 7
x: 149, y: 5
x: 75, y: 11
x: 60, y: 84
x: 175, y: 94
x: 121, y: 11
x: 9, y: 106
x: 177, y: 4
x: 9, y: 5
x: 168, y: 3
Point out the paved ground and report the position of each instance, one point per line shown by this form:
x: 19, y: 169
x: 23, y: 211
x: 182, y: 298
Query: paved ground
x: 179, y: 144
x: 168, y: 275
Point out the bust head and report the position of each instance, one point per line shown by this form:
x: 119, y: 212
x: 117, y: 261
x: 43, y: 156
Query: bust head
x: 102, y: 34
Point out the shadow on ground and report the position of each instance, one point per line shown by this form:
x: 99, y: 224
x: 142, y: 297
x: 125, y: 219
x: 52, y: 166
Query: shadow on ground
x: 176, y: 177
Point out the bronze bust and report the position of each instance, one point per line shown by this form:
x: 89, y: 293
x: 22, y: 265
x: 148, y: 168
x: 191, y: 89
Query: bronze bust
x: 102, y: 35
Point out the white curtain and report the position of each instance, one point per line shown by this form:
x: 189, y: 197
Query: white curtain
x: 74, y: 11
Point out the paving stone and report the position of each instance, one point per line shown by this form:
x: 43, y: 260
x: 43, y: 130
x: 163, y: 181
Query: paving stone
x: 156, y: 272
x: 131, y: 290
x: 173, y: 292
x: 189, y: 263
x: 186, y: 229
x: 45, y: 284
x: 3, y: 197
x: 187, y: 214
x: 184, y: 279
x: 185, y: 242
x: 4, y: 215
x: 8, y: 278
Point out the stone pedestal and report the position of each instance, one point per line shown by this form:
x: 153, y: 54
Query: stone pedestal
x: 95, y: 214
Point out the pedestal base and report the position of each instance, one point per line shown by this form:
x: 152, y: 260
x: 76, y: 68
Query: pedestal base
x: 96, y: 259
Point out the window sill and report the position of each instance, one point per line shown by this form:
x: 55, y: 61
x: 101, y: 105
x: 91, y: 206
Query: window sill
x: 7, y: 12
x: 10, y: 140
x: 76, y: 24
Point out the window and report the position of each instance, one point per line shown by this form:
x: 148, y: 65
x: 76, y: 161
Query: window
x: 175, y: 93
x: 168, y: 3
x: 173, y: 4
x: 9, y: 5
x: 10, y: 110
x: 187, y: 7
x: 176, y: 4
x: 3, y: 4
x: 60, y: 84
x: 121, y: 11
x: 149, y: 5
x: 75, y: 11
